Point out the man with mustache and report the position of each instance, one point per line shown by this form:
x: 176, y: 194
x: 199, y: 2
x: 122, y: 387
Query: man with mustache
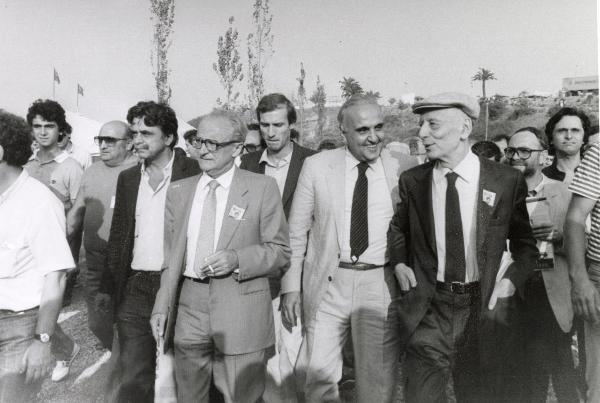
x: 548, y: 310
x: 567, y: 131
x: 339, y: 274
x: 445, y: 243
x: 135, y: 254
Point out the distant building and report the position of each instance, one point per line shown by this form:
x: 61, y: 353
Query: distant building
x: 576, y: 85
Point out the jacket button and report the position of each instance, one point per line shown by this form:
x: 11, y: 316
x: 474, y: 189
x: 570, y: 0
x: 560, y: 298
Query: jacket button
x: 329, y: 278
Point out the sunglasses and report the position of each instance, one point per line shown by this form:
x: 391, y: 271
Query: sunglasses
x: 109, y: 141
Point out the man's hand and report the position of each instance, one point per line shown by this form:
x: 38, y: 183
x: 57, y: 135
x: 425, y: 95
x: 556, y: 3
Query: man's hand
x: 291, y: 309
x: 219, y: 264
x: 37, y: 361
x: 103, y: 302
x: 546, y: 232
x: 157, y: 324
x: 586, y: 299
x: 405, y: 276
x: 504, y: 289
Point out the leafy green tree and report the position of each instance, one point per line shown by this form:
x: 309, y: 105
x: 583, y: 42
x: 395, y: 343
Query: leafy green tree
x: 319, y: 99
x: 163, y: 16
x: 228, y: 66
x: 483, y: 75
x: 349, y: 87
x: 260, y: 49
x: 301, y: 98
x: 373, y: 94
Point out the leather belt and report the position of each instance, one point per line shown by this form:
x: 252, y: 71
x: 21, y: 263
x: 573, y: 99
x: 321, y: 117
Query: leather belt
x: 146, y: 272
x: 204, y: 280
x: 359, y: 266
x: 456, y: 287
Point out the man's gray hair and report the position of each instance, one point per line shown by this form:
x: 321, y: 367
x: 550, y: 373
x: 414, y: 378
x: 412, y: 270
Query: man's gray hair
x: 358, y: 99
x: 237, y: 124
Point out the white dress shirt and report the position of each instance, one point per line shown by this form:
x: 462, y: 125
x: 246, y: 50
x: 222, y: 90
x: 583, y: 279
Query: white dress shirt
x: 380, y: 210
x: 222, y: 193
x: 277, y: 170
x: 467, y: 185
x: 148, y: 254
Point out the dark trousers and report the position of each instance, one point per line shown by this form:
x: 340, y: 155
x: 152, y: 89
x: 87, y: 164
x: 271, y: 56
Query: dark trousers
x: 99, y: 319
x: 445, y: 344
x: 548, y: 348
x: 137, y: 348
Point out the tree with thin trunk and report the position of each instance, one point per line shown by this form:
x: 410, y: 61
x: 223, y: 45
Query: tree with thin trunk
x: 163, y: 16
x: 349, y: 87
x: 228, y: 66
x: 483, y: 75
x: 301, y: 98
x: 260, y: 49
x: 319, y: 99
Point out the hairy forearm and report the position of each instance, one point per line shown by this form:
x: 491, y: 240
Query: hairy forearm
x: 51, y: 303
x: 575, y: 248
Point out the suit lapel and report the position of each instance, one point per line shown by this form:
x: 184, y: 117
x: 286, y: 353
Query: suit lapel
x: 292, y: 175
x: 132, y: 185
x: 238, y: 193
x: 422, y: 195
x: 336, y: 180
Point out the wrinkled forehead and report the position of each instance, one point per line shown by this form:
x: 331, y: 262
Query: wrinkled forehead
x: 217, y: 128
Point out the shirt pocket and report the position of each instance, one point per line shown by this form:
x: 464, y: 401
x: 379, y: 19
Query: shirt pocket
x: 8, y: 259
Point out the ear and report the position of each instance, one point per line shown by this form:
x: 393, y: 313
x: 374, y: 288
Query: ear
x: 170, y: 140
x: 237, y: 151
x: 543, y: 157
x: 467, y: 128
x: 1, y: 153
x: 129, y: 145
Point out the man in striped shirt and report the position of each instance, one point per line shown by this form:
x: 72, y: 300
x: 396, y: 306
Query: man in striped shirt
x: 585, y: 290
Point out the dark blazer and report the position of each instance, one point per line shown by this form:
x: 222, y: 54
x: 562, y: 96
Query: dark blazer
x: 411, y: 237
x: 251, y: 162
x: 122, y: 230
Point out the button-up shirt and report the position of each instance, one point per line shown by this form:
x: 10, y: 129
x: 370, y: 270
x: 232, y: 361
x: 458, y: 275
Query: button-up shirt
x: 277, y: 170
x: 148, y: 253
x: 467, y: 185
x: 380, y: 210
x: 222, y: 193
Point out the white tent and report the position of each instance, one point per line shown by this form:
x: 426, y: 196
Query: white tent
x: 84, y: 131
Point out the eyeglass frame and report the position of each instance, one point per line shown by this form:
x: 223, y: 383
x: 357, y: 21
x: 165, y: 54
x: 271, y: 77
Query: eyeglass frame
x: 109, y: 141
x: 518, y: 150
x: 214, y: 145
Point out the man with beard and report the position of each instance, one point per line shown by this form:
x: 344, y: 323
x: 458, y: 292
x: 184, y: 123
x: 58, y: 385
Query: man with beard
x: 136, y: 249
x: 339, y: 274
x: 547, y: 294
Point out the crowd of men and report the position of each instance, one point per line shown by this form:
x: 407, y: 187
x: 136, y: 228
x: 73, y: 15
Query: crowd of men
x: 265, y: 267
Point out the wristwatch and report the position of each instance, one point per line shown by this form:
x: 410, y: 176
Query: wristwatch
x: 43, y: 337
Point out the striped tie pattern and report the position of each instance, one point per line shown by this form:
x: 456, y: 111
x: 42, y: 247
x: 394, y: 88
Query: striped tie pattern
x: 359, y: 219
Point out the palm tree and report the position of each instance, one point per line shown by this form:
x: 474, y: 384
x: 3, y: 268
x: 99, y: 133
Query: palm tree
x: 349, y: 87
x: 483, y: 75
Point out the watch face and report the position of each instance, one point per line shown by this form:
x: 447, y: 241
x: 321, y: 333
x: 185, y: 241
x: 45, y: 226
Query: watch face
x: 44, y: 338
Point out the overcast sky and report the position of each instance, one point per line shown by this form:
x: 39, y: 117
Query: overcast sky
x: 390, y: 46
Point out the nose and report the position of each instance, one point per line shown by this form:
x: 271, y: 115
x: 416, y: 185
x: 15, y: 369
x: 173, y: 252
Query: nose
x: 372, y: 136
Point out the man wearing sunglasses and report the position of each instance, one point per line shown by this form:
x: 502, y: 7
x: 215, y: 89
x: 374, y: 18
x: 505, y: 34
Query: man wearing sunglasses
x: 229, y: 233
x: 281, y: 160
x: 92, y: 213
x: 547, y: 294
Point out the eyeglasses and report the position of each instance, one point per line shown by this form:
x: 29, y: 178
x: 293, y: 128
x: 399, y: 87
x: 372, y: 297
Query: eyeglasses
x: 109, y: 141
x: 251, y: 147
x: 522, y: 152
x: 210, y: 145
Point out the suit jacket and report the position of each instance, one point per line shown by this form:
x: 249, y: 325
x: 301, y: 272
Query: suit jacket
x: 122, y: 230
x: 317, y: 222
x: 556, y: 281
x: 241, y: 315
x: 411, y: 237
x: 251, y: 162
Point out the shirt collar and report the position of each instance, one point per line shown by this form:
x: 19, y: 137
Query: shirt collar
x: 467, y: 169
x: 60, y: 158
x: 167, y: 168
x: 17, y: 184
x: 224, y: 180
x: 352, y: 162
x: 282, y: 162
x: 540, y: 186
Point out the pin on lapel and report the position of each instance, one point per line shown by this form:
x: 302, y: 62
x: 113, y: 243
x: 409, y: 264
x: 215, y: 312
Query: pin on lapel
x: 489, y: 197
x: 237, y: 213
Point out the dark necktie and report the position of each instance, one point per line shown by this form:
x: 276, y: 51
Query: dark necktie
x: 455, y: 246
x: 359, y: 219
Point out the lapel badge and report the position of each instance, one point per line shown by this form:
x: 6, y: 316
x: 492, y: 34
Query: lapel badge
x: 237, y: 213
x: 489, y: 197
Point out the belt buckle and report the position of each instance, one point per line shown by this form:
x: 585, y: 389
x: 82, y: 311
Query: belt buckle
x: 457, y: 287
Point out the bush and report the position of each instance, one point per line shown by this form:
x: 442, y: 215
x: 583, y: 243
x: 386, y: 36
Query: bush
x: 496, y: 108
x: 522, y: 108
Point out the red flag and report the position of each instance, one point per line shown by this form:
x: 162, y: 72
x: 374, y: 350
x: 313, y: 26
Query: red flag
x: 79, y: 89
x: 56, y: 77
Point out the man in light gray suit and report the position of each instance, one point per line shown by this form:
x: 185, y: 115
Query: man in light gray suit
x: 344, y: 201
x: 226, y: 232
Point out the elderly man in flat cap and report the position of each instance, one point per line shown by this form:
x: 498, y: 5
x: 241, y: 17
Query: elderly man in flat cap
x: 445, y: 242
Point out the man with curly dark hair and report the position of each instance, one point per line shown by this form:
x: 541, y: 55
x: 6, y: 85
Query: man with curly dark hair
x: 34, y: 256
